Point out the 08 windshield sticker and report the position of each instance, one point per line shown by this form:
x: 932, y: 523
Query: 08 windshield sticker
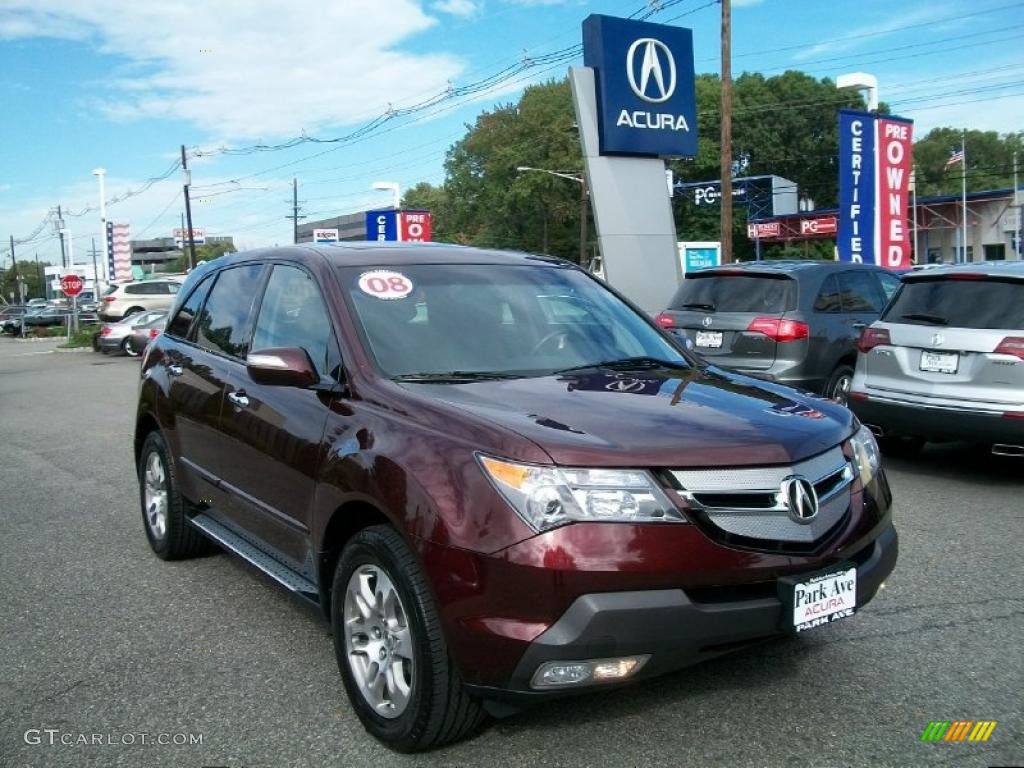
x: 384, y: 284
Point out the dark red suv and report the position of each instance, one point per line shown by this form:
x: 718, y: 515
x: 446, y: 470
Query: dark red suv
x: 499, y: 479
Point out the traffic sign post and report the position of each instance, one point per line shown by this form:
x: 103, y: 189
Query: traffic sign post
x: 72, y: 285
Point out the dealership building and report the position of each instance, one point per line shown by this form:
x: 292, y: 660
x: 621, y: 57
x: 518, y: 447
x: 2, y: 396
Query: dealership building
x: 158, y: 251
x: 993, y: 227
x: 350, y: 226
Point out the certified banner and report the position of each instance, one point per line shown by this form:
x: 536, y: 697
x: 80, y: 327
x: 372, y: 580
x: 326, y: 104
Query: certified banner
x: 895, y: 161
x: 856, y: 239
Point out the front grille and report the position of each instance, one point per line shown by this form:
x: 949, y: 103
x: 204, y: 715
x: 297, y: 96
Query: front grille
x: 746, y: 506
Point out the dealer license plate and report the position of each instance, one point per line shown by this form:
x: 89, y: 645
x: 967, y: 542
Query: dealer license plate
x: 940, y: 362
x: 820, y: 599
x: 709, y: 339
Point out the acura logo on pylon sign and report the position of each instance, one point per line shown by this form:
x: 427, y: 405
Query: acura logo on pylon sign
x: 652, y: 85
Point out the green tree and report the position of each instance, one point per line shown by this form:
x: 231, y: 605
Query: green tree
x: 30, y: 274
x: 989, y: 160
x: 204, y: 252
x: 434, y: 199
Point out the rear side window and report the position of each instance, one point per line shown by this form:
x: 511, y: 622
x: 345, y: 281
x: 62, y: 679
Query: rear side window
x: 223, y: 324
x: 829, y: 299
x: 860, y: 292
x: 982, y: 304
x: 736, y: 293
x: 183, y: 318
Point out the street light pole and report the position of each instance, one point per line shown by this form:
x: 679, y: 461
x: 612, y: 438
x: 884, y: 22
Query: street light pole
x: 100, y: 174
x: 390, y: 186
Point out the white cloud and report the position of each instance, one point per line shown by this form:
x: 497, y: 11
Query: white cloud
x: 273, y: 68
x: 857, y: 37
x: 464, y: 8
x: 745, y: 3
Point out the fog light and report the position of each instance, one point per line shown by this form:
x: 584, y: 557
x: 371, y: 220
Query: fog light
x: 563, y: 674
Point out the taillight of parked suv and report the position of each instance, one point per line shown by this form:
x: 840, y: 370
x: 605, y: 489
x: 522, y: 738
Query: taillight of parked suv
x: 1011, y: 345
x: 873, y: 337
x: 779, y: 330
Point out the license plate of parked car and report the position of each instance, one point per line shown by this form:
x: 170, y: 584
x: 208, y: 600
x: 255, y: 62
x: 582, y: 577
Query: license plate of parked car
x: 940, y: 362
x: 824, y: 598
x: 709, y: 339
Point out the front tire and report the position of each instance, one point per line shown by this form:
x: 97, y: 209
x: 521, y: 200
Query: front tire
x: 163, y: 508
x: 394, y: 661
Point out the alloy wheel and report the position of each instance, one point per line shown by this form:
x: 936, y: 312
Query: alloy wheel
x: 155, y: 495
x: 841, y: 389
x: 378, y: 641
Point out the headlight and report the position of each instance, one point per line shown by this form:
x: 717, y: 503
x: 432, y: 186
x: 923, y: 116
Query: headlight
x: 866, y: 454
x: 546, y: 497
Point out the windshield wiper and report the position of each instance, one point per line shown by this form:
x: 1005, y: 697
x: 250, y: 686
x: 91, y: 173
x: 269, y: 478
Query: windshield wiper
x: 925, y: 318
x: 697, y: 305
x: 440, y: 377
x: 630, y: 364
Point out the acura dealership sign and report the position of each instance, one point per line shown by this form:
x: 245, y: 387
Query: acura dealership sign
x: 645, y: 92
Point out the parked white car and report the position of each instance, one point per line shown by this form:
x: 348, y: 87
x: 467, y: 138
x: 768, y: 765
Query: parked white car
x: 123, y: 299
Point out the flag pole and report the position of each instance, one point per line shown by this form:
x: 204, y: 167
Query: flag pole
x: 963, y: 192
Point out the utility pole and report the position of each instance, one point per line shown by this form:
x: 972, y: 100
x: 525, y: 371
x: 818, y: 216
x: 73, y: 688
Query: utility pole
x: 187, y: 178
x: 95, y: 274
x: 726, y: 136
x: 295, y: 211
x: 60, y: 234
x: 1020, y: 209
x: 14, y: 262
x: 39, y: 275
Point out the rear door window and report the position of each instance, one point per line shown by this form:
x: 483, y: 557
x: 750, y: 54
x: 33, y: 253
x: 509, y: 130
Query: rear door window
x: 829, y: 298
x: 736, y: 293
x: 223, y: 324
x: 860, y: 292
x: 960, y: 303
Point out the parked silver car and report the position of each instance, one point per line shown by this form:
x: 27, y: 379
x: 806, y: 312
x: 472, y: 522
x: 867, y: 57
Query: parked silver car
x: 145, y: 332
x: 116, y: 337
x: 946, y: 360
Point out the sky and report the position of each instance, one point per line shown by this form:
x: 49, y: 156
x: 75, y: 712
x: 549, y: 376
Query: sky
x: 122, y: 85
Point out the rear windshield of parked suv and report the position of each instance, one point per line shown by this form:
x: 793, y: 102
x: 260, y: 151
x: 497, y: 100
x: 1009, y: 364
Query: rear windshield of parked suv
x: 716, y: 292
x: 498, y: 319
x: 960, y: 303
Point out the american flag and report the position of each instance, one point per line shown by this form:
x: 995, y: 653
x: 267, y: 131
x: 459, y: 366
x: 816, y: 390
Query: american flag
x: 119, y: 250
x: 954, y: 158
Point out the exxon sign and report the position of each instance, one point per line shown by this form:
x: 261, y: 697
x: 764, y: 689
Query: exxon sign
x: 645, y: 93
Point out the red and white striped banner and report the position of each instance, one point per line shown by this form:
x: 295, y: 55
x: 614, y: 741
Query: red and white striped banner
x: 120, y: 249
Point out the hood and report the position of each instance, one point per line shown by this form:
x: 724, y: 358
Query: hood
x: 693, y: 418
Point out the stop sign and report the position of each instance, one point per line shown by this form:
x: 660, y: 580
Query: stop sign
x: 71, y: 285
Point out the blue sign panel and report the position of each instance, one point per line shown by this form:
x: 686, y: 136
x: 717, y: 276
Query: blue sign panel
x: 856, y: 238
x: 699, y: 258
x: 645, y: 93
x: 382, y: 225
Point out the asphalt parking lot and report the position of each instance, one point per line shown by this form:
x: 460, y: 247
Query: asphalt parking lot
x: 101, y: 637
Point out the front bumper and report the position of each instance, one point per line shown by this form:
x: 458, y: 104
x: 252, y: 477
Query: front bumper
x: 670, y: 625
x: 895, y: 419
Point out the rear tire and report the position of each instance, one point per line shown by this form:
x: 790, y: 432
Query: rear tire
x: 838, y: 387
x: 127, y: 348
x: 901, y: 446
x: 430, y: 706
x: 163, y: 508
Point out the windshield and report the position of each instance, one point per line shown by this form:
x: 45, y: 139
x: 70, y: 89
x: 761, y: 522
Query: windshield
x: 735, y: 293
x: 960, y: 303
x: 529, y: 320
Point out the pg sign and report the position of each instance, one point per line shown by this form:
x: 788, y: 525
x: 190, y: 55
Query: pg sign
x: 875, y: 159
x: 645, y: 93
x: 398, y: 226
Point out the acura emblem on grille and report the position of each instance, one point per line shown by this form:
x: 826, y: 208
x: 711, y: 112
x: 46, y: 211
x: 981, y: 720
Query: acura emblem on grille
x: 706, y: 322
x: 800, y: 498
x: 938, y: 340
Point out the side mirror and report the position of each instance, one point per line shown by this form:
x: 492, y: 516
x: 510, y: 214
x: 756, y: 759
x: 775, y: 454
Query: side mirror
x: 282, y: 366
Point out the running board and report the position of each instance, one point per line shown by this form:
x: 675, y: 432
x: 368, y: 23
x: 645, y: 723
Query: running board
x: 279, y: 572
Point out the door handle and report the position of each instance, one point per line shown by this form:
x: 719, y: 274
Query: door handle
x: 238, y: 398
x: 175, y: 370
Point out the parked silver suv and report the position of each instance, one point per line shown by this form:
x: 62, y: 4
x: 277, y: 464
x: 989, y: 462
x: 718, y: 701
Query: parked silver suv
x: 123, y: 299
x: 946, y: 360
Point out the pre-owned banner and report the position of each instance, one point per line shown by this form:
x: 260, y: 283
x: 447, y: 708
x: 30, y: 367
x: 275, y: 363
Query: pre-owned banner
x: 875, y: 161
x: 856, y: 238
x: 895, y: 152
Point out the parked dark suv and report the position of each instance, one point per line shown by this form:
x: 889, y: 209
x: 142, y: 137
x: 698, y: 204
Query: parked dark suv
x: 795, y: 322
x: 498, y: 479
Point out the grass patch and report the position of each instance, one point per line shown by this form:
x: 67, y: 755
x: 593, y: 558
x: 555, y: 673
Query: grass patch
x: 84, y: 337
